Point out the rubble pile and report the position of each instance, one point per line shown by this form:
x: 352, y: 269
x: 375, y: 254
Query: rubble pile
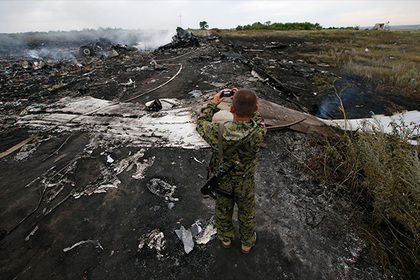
x: 47, y: 78
x: 182, y: 39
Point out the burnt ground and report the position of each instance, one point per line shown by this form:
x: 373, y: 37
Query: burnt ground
x: 304, y: 227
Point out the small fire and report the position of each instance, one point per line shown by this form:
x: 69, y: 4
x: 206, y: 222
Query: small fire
x: 52, y: 56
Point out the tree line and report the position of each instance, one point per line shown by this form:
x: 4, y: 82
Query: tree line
x: 280, y: 26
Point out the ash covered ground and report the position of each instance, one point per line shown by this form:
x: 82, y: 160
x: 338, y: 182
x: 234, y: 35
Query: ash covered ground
x: 103, y: 185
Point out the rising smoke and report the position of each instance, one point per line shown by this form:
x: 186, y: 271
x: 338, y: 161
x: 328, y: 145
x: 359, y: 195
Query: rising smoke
x: 40, y: 45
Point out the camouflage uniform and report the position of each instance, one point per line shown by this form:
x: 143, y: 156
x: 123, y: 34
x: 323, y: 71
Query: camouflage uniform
x: 240, y: 182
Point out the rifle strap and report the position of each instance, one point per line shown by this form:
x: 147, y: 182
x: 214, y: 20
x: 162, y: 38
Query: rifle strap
x: 220, y: 141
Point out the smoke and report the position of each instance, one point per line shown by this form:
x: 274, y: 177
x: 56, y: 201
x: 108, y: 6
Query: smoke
x: 11, y: 42
x: 154, y: 40
x: 145, y: 40
x: 359, y: 101
x: 52, y: 55
x: 23, y: 43
x: 47, y: 53
x: 55, y: 47
x: 327, y: 107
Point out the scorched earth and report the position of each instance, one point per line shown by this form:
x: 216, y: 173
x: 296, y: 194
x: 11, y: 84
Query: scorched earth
x: 100, y: 181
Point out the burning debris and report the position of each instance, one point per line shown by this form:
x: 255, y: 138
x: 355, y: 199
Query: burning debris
x: 182, y: 39
x: 44, y: 56
x: 104, y: 47
x: 100, y: 47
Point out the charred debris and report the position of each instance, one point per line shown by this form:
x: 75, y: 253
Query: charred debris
x: 99, y: 68
x: 106, y: 190
x: 40, y: 72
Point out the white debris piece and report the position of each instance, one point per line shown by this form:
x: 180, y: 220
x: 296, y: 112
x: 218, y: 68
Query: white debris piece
x: 32, y: 233
x: 162, y: 189
x: 186, y: 237
x: 109, y: 159
x: 379, y: 122
x: 79, y: 105
x: 206, y: 235
x: 112, y: 185
x: 96, y: 242
x: 255, y: 75
x: 128, y: 162
x: 196, y: 93
x: 200, y: 162
x: 129, y: 83
x: 153, y: 240
x: 27, y: 150
x: 109, y: 181
x: 142, y: 166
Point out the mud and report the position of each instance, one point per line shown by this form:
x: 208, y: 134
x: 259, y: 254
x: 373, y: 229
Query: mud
x: 75, y: 205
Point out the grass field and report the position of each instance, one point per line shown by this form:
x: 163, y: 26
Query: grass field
x: 390, y: 59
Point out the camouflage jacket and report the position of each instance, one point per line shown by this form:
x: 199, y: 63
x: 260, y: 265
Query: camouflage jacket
x: 245, y: 136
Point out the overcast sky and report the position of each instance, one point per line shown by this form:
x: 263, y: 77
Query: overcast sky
x: 36, y: 15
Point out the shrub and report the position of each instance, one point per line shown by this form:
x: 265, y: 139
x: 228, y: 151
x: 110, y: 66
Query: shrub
x: 385, y: 168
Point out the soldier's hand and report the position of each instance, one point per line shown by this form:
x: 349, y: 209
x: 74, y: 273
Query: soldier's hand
x: 217, y: 99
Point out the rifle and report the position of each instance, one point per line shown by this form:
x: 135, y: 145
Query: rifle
x: 212, y: 185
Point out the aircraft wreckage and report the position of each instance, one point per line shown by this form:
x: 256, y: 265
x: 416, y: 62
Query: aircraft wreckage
x: 80, y: 144
x: 173, y: 123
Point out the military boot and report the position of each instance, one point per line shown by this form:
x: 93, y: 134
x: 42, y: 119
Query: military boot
x: 245, y: 249
x: 226, y: 244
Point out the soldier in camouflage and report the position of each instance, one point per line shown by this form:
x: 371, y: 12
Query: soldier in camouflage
x: 241, y: 140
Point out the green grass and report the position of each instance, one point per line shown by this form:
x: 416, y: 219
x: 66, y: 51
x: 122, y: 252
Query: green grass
x: 390, y: 59
x: 385, y: 170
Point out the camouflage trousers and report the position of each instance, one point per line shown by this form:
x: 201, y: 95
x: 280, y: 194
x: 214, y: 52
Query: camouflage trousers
x: 243, y: 190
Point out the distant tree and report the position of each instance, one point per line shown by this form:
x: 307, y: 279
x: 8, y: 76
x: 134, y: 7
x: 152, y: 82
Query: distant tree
x: 281, y: 26
x: 203, y: 25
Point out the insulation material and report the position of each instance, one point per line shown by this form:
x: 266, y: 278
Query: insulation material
x: 129, y: 123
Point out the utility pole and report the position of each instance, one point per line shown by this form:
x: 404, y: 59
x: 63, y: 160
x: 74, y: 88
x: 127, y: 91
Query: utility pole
x: 180, y: 22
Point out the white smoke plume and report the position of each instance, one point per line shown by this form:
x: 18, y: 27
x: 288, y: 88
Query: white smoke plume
x: 24, y: 43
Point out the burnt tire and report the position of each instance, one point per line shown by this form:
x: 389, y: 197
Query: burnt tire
x: 86, y: 51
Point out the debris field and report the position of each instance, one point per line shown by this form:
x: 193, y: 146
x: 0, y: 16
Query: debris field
x: 101, y: 167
